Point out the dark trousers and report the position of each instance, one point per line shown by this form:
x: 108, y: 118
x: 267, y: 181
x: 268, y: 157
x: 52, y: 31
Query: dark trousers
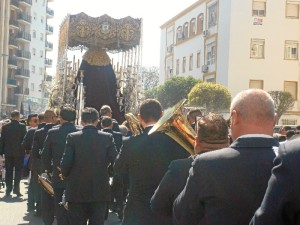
x: 30, y: 200
x: 35, y: 188
x: 10, y: 164
x: 47, y: 208
x: 94, y: 212
x: 62, y: 215
x: 117, y: 192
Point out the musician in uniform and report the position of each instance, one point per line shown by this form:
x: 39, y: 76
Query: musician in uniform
x: 46, y: 201
x: 53, y: 150
x: 87, y: 155
x: 105, y: 110
x: 145, y: 158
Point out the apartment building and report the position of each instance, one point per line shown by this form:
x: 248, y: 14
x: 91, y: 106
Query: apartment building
x: 23, y: 60
x: 240, y: 44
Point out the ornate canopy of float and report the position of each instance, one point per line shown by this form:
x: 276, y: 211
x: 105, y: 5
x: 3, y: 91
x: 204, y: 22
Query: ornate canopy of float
x: 105, y: 81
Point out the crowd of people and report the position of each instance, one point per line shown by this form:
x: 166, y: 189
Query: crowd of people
x: 249, y: 175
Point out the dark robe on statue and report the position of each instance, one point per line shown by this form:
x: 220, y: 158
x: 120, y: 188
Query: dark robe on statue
x: 100, y: 87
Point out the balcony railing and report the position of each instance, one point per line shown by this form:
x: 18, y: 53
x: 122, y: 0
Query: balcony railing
x: 19, y: 90
x: 24, y: 35
x: 14, y: 3
x: 14, y: 23
x: 11, y: 101
x: 23, y: 54
x: 48, y: 45
x: 48, y: 62
x: 13, y: 42
x: 50, y: 11
x: 49, y: 28
x: 28, y: 2
x: 11, y: 81
x: 25, y: 17
x: 12, y: 61
x: 23, y: 72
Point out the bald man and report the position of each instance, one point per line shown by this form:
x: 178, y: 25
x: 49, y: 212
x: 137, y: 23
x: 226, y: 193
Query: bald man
x: 227, y: 186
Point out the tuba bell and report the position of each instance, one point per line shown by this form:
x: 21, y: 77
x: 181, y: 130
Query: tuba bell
x: 174, y: 124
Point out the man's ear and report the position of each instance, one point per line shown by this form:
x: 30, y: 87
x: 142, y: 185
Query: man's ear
x: 275, y: 119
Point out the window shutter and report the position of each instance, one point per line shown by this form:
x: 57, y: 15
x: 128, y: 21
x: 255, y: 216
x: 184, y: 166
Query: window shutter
x: 291, y: 86
x: 259, y: 5
x: 256, y: 84
x: 292, y: 10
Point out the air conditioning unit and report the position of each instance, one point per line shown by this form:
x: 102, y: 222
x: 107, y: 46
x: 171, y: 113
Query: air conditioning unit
x: 205, y: 33
x: 204, y: 68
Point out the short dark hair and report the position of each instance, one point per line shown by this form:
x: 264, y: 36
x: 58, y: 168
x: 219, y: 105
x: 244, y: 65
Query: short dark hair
x: 15, y: 114
x: 286, y: 128
x: 212, y: 129
x: 106, y: 121
x: 104, y: 110
x: 30, y: 116
x: 89, y: 115
x: 41, y: 116
x: 150, y: 110
x: 192, y: 114
x: 289, y: 134
x: 67, y: 113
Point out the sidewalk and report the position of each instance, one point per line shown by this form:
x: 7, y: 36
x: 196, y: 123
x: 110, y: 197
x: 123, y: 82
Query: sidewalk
x: 14, y: 210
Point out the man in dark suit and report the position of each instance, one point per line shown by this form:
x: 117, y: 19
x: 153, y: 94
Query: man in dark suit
x: 87, y: 155
x: 227, y: 186
x: 281, y: 204
x: 53, y: 150
x: 145, y: 158
x: 105, y: 110
x: 192, y: 117
x: 12, y: 135
x: 45, y: 203
x: 212, y: 134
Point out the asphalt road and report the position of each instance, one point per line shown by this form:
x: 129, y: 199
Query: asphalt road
x: 13, y: 210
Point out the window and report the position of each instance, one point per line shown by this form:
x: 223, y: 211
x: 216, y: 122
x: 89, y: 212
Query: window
x: 183, y: 64
x: 292, y: 10
x: 256, y: 84
x: 34, y: 34
x: 32, y: 87
x: 257, y: 48
x: 41, y: 54
x: 291, y: 50
x: 200, y: 23
x: 34, y: 16
x: 212, y: 15
x: 211, y: 53
x: 179, y: 33
x: 291, y: 86
x: 177, y: 66
x: 198, y: 60
x: 185, y: 30
x: 42, y: 19
x: 191, y: 62
x: 33, y: 69
x: 193, y: 27
x: 41, y: 71
x: 289, y: 122
x: 42, y: 37
x: 258, y: 8
x: 33, y: 51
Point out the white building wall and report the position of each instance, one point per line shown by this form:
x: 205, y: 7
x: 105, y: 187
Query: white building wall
x: 162, y: 56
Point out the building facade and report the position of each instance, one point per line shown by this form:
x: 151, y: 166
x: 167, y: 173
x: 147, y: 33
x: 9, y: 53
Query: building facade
x: 240, y: 44
x: 23, y: 61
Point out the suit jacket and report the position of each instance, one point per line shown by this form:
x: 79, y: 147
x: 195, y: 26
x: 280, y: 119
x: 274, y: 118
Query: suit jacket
x: 84, y: 164
x: 145, y: 158
x: 281, y: 204
x: 117, y: 137
x: 53, y: 150
x: 28, y: 139
x: 227, y: 186
x: 114, y: 122
x: 37, y: 146
x: 12, y: 135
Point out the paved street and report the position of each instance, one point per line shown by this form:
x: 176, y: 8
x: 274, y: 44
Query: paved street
x: 14, y: 210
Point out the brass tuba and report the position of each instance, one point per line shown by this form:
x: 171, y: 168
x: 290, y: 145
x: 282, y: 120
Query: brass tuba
x: 174, y: 124
x: 134, y: 124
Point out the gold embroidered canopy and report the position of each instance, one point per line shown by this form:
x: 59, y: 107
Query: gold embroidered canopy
x: 105, y: 32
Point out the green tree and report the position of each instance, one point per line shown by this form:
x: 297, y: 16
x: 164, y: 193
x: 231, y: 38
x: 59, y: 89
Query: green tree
x: 283, y: 101
x: 150, y: 77
x: 214, y: 97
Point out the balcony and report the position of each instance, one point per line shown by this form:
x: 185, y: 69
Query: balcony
x: 20, y: 91
x: 50, y: 12
x: 12, y: 43
x: 12, y: 62
x: 23, y: 36
x: 48, y: 78
x: 11, y: 82
x: 13, y: 24
x: 11, y: 102
x: 49, y: 46
x: 22, y: 73
x: 23, y: 55
x: 26, y: 2
x: 48, y: 62
x: 49, y: 29
x: 24, y: 18
x: 14, y: 4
